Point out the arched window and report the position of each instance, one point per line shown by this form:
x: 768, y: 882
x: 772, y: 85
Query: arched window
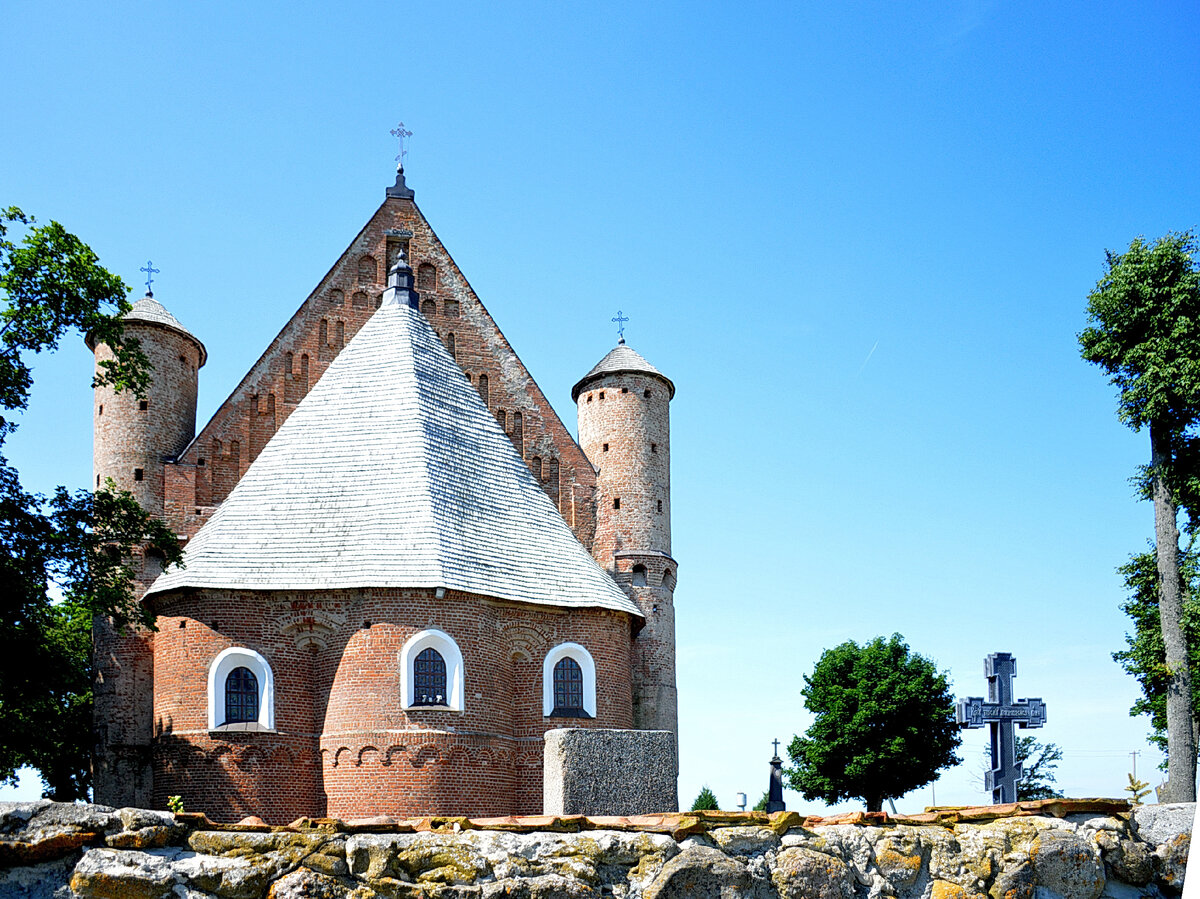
x: 568, y: 689
x: 451, y: 308
x: 336, y: 297
x: 359, y: 299
x: 428, y: 308
x: 241, y: 691
x: 502, y: 417
x: 429, y: 678
x: 304, y: 370
x: 426, y: 276
x: 431, y: 671
x: 483, y: 388
x: 450, y: 345
x: 323, y: 332
x: 668, y: 580
x: 341, y: 334
x: 535, y: 465
x: 290, y: 362
x: 241, y: 696
x: 569, y: 682
x: 367, y: 270
x: 639, y: 575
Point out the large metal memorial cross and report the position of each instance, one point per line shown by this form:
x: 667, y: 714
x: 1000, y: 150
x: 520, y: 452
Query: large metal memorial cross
x: 1001, y: 712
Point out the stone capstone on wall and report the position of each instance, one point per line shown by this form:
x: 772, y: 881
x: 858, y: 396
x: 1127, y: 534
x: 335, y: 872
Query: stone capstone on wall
x: 593, y: 771
x: 1054, y: 849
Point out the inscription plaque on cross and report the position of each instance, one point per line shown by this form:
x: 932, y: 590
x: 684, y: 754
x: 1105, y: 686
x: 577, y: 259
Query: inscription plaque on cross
x: 1000, y: 712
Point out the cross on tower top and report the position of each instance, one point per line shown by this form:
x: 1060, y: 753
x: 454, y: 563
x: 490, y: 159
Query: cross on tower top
x: 620, y: 320
x: 150, y: 271
x: 775, y: 743
x: 401, y: 134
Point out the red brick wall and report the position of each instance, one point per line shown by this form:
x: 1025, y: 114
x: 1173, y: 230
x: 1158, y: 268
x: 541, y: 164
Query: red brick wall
x: 346, y: 297
x: 344, y: 745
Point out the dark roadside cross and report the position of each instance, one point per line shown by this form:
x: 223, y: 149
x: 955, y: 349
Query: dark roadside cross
x: 1000, y: 712
x: 775, y: 788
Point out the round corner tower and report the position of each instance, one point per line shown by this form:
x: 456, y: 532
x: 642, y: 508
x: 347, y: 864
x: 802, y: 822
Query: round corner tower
x: 625, y: 430
x: 132, y: 437
x: 131, y: 440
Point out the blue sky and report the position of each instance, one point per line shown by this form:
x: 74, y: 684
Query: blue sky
x: 858, y: 237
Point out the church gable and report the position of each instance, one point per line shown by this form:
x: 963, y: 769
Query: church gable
x: 206, y: 472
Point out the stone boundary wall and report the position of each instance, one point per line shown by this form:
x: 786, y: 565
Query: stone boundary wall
x: 1053, y: 849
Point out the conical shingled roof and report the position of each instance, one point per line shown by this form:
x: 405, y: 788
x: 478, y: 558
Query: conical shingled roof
x: 151, y: 311
x: 392, y: 473
x: 621, y: 358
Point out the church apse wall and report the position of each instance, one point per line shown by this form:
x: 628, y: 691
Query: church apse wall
x: 343, y: 742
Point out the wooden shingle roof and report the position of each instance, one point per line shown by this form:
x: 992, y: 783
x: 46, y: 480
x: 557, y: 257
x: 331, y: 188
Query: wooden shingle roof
x: 392, y: 472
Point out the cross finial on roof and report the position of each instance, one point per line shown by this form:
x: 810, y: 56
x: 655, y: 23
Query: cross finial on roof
x: 775, y: 743
x: 150, y: 271
x: 620, y: 320
x: 401, y: 133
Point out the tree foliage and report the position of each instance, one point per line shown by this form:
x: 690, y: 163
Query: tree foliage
x: 1144, y: 655
x: 706, y: 801
x: 63, y: 558
x: 1038, y: 762
x: 884, y: 724
x: 1144, y: 331
x: 1137, y: 790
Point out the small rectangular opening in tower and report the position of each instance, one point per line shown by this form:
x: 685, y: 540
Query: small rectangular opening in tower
x: 143, y: 405
x: 606, y: 447
x: 624, y: 390
x: 616, y: 502
x: 660, y: 505
x: 137, y: 474
x: 654, y: 447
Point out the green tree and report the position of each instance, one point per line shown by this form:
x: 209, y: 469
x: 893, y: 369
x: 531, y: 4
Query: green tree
x: 63, y: 558
x: 1144, y: 331
x: 761, y: 805
x: 884, y: 724
x: 1137, y: 790
x: 1038, y: 762
x: 1144, y: 655
x: 705, y: 801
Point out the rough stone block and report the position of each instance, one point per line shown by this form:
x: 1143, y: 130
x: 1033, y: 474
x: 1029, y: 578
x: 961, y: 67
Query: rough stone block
x: 594, y: 771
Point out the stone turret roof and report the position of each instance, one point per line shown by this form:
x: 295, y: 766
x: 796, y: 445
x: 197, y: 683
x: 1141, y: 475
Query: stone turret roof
x: 393, y: 473
x: 620, y: 359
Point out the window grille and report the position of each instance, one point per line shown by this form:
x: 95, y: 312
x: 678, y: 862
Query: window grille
x: 429, y: 678
x: 241, y: 696
x: 568, y: 689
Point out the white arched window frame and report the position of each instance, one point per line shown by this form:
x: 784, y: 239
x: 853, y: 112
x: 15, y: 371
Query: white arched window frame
x: 451, y: 655
x: 583, y: 658
x: 220, y: 669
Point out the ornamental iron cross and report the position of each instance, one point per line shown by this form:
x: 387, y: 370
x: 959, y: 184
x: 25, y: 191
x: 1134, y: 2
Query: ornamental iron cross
x: 401, y: 133
x: 150, y: 271
x: 775, y: 743
x: 1000, y: 713
x: 620, y: 320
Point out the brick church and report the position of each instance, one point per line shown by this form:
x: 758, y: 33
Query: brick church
x: 401, y: 570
